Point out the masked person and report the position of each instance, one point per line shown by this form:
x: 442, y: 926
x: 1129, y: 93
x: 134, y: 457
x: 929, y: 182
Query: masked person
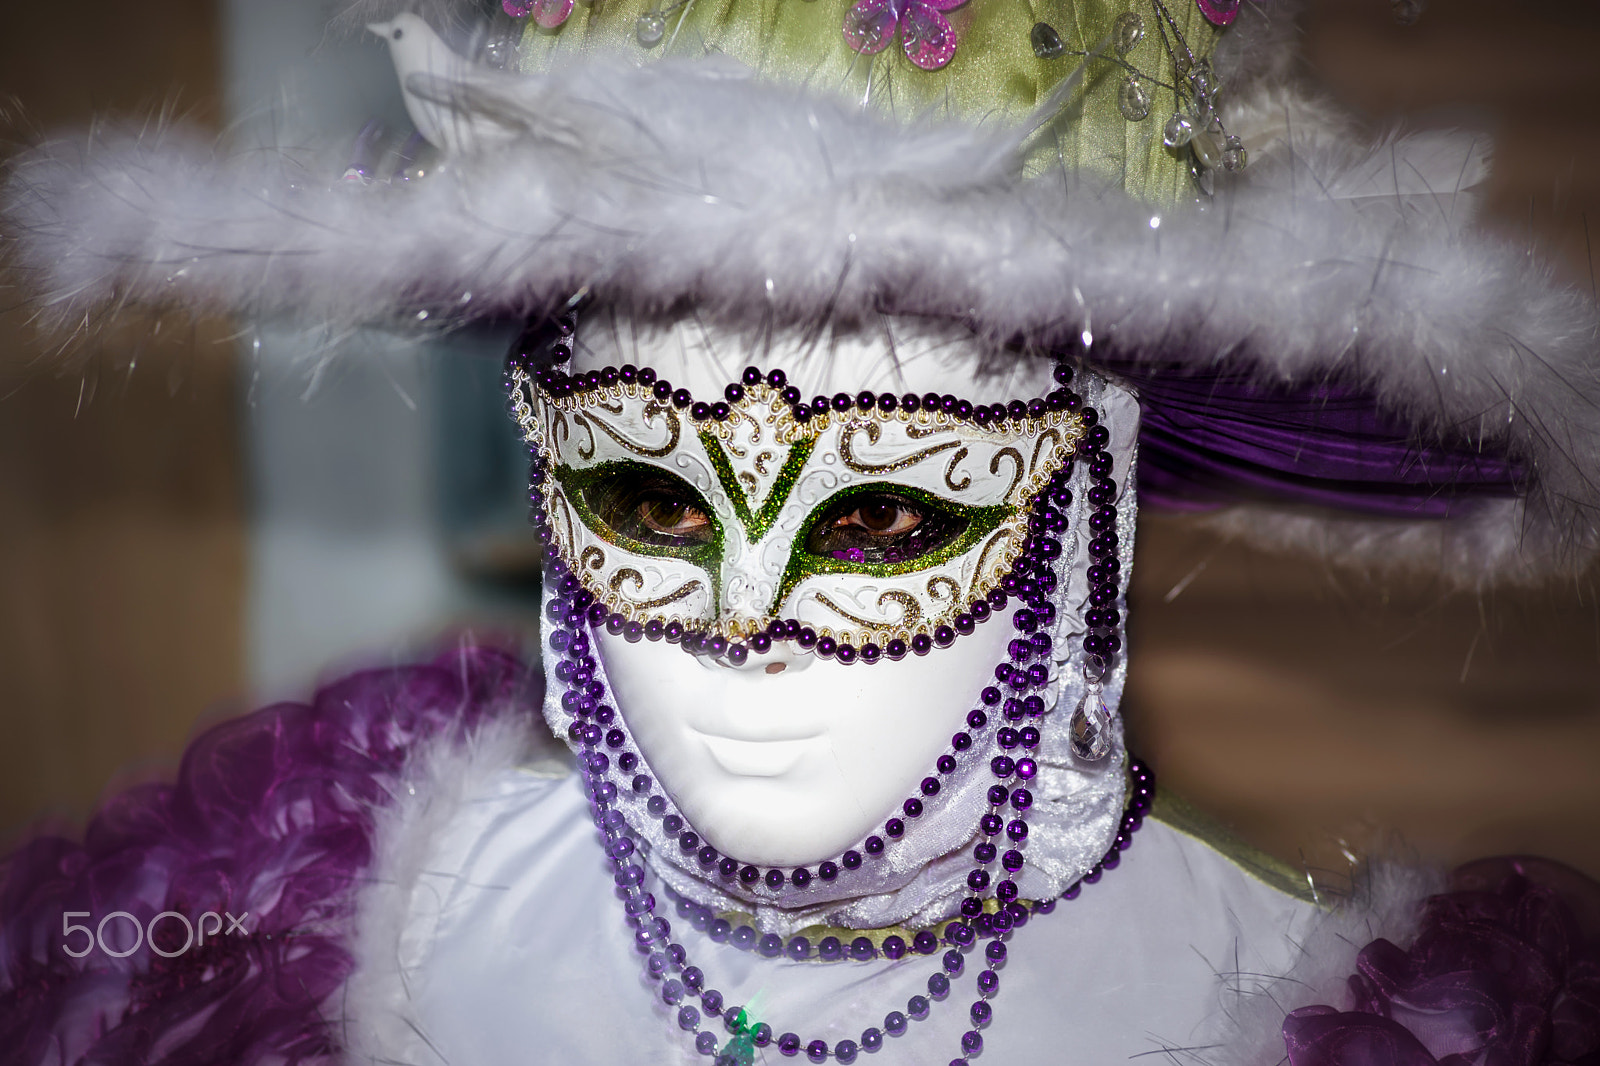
x: 837, y: 424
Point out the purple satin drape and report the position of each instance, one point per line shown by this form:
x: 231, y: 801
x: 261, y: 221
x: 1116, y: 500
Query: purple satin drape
x: 1219, y: 436
x: 1505, y: 971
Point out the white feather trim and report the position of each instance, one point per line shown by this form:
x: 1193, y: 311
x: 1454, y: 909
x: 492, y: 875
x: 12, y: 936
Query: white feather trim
x: 692, y: 185
x: 373, y: 1016
x: 1386, y: 903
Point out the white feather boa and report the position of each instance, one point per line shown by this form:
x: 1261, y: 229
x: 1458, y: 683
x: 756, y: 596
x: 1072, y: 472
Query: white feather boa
x: 682, y: 185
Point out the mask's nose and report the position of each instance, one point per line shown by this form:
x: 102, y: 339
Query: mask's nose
x: 750, y: 575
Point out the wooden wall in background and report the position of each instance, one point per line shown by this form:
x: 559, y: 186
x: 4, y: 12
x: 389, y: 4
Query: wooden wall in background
x: 121, y: 526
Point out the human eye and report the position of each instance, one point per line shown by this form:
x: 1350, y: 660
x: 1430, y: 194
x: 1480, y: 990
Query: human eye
x: 883, y: 526
x: 651, y: 508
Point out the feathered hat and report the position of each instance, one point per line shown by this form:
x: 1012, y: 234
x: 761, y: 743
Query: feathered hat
x: 1327, y: 353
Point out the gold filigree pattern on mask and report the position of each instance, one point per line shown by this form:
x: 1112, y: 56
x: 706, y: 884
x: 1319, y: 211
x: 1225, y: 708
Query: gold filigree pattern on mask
x: 999, y: 535
x: 627, y: 574
x: 873, y: 430
x: 910, y: 612
x: 994, y: 468
x: 651, y: 410
x: 962, y: 462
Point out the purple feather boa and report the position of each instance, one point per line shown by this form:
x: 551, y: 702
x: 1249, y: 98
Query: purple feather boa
x: 1505, y: 971
x: 271, y: 815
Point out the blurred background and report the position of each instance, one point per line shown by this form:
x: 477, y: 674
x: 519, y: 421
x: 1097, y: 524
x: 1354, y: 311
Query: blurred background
x: 192, y: 520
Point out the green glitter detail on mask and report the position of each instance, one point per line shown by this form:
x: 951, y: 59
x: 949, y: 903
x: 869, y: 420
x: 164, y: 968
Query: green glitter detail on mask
x: 981, y: 521
x: 756, y: 524
x: 575, y: 480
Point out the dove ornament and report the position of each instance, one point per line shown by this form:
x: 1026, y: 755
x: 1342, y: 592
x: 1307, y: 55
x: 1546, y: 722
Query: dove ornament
x: 458, y: 106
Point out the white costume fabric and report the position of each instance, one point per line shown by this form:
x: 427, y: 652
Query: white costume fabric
x: 506, y: 945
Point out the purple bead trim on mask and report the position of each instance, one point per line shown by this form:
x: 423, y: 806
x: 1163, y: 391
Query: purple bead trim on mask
x: 596, y: 724
x: 557, y: 383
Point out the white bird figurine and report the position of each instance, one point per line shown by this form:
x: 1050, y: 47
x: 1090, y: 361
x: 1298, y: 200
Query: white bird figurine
x: 459, y: 106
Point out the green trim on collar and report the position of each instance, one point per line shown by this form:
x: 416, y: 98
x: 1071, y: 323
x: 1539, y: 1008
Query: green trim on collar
x: 1177, y: 813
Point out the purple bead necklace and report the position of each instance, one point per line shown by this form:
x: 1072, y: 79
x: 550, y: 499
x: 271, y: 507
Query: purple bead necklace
x: 599, y: 733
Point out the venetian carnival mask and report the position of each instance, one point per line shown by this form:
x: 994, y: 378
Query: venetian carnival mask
x: 846, y: 551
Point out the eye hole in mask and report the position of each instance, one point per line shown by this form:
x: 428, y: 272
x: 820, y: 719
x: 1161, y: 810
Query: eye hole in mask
x: 648, y: 508
x: 882, y: 525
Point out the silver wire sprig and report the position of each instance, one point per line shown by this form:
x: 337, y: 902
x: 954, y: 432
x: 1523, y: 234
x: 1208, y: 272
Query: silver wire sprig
x: 1196, y: 122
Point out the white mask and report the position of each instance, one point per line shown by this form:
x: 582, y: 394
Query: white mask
x: 875, y: 532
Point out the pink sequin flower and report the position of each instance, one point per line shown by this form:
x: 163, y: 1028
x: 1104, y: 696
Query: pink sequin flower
x: 547, y: 13
x: 925, y: 34
x: 1219, y: 12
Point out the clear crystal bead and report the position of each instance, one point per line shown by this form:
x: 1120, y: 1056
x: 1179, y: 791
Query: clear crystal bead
x: 499, y: 53
x: 1207, y: 149
x: 650, y: 28
x: 1179, y: 131
x: 1090, y: 729
x: 1234, y: 156
x: 1133, y: 99
x: 1127, y: 32
x: 1047, y: 43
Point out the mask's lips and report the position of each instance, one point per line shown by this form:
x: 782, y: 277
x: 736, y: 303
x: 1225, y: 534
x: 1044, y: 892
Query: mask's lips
x: 757, y: 758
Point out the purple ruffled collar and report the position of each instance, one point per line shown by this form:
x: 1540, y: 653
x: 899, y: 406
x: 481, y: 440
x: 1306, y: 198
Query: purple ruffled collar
x: 271, y: 816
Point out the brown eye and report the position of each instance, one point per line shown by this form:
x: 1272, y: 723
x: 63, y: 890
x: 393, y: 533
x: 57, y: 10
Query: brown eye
x: 882, y: 516
x: 649, y: 507
x: 883, y: 527
x: 674, y: 518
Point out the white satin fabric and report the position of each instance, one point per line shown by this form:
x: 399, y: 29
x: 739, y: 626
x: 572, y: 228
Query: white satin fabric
x: 514, y: 951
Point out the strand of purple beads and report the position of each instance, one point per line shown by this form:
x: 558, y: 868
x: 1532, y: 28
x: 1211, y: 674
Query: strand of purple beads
x: 652, y: 932
x: 1033, y: 581
x: 585, y: 700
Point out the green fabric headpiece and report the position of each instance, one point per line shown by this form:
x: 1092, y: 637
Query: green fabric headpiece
x: 1144, y: 62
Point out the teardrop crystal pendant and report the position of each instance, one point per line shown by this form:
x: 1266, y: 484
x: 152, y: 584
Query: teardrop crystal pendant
x: 1179, y: 131
x: 1091, y: 728
x: 1133, y: 99
x: 1047, y: 43
x: 1127, y: 32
